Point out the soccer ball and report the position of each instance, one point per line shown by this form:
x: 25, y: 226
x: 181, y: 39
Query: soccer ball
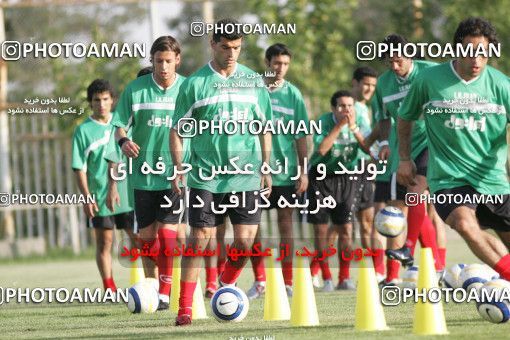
x: 390, y: 221
x: 451, y: 276
x: 494, y: 305
x: 475, y: 275
x: 229, y: 304
x: 410, y: 278
x: 153, y: 282
x: 143, y: 298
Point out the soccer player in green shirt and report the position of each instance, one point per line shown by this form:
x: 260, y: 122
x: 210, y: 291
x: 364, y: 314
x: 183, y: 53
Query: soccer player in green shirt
x: 466, y: 109
x: 146, y: 106
x: 90, y: 141
x: 392, y: 87
x: 221, y: 91
x: 288, y: 105
x: 341, y: 138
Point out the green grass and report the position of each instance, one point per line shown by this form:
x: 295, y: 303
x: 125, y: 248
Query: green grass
x: 336, y: 311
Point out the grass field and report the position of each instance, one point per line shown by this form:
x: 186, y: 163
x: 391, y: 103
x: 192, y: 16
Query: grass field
x: 336, y: 310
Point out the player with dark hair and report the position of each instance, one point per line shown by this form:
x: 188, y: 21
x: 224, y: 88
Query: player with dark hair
x: 392, y: 88
x: 466, y: 109
x: 147, y: 106
x: 90, y: 141
x: 213, y: 94
x: 339, y: 142
x: 291, y: 149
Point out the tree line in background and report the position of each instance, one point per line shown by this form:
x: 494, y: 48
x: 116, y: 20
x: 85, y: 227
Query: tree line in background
x: 324, y: 46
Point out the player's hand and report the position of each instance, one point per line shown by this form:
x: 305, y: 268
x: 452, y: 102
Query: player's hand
x: 266, y: 182
x: 384, y: 153
x: 406, y: 173
x: 351, y: 119
x: 130, y: 149
x: 176, y: 187
x: 90, y: 209
x: 112, y: 198
x: 302, y: 184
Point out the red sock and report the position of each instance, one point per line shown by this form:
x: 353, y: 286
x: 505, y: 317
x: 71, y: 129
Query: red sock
x: 315, y: 267
x: 393, y: 268
x: 259, y: 270
x: 221, y: 265
x: 167, y: 240
x: 442, y: 256
x: 503, y: 267
x: 287, y: 272
x: 231, y: 273
x: 415, y: 216
x: 211, y: 276
x: 109, y: 284
x: 186, y: 298
x: 428, y: 240
x: 344, y: 272
x: 326, y: 273
x: 379, y: 261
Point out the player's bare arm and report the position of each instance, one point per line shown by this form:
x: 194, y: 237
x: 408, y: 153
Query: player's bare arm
x: 327, y: 143
x: 406, y: 168
x: 384, y: 127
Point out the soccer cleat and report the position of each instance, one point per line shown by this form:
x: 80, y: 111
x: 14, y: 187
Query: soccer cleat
x: 209, y: 292
x: 315, y: 281
x: 403, y: 255
x: 289, y: 290
x: 346, y: 284
x: 257, y: 290
x: 392, y: 283
x: 183, y: 320
x: 328, y: 286
x: 379, y: 277
x: 162, y: 305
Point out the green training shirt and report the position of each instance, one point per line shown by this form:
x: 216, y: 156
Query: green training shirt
x: 466, y: 127
x: 148, y: 109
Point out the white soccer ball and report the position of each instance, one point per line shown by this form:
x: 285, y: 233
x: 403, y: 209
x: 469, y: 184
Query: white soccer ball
x: 451, y: 276
x: 494, y: 304
x: 410, y: 278
x: 143, y: 298
x: 475, y: 275
x: 230, y: 304
x: 390, y: 221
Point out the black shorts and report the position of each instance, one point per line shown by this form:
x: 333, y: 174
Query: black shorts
x: 392, y: 190
x: 282, y: 191
x: 494, y: 215
x: 121, y: 221
x: 204, y: 216
x: 367, y: 195
x: 345, y: 191
x: 148, y: 207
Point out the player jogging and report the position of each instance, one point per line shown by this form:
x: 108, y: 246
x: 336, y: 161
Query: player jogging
x: 466, y: 108
x: 221, y: 91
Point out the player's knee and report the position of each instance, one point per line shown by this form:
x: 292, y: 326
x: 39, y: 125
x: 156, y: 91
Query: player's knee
x: 467, y: 228
x: 244, y: 244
